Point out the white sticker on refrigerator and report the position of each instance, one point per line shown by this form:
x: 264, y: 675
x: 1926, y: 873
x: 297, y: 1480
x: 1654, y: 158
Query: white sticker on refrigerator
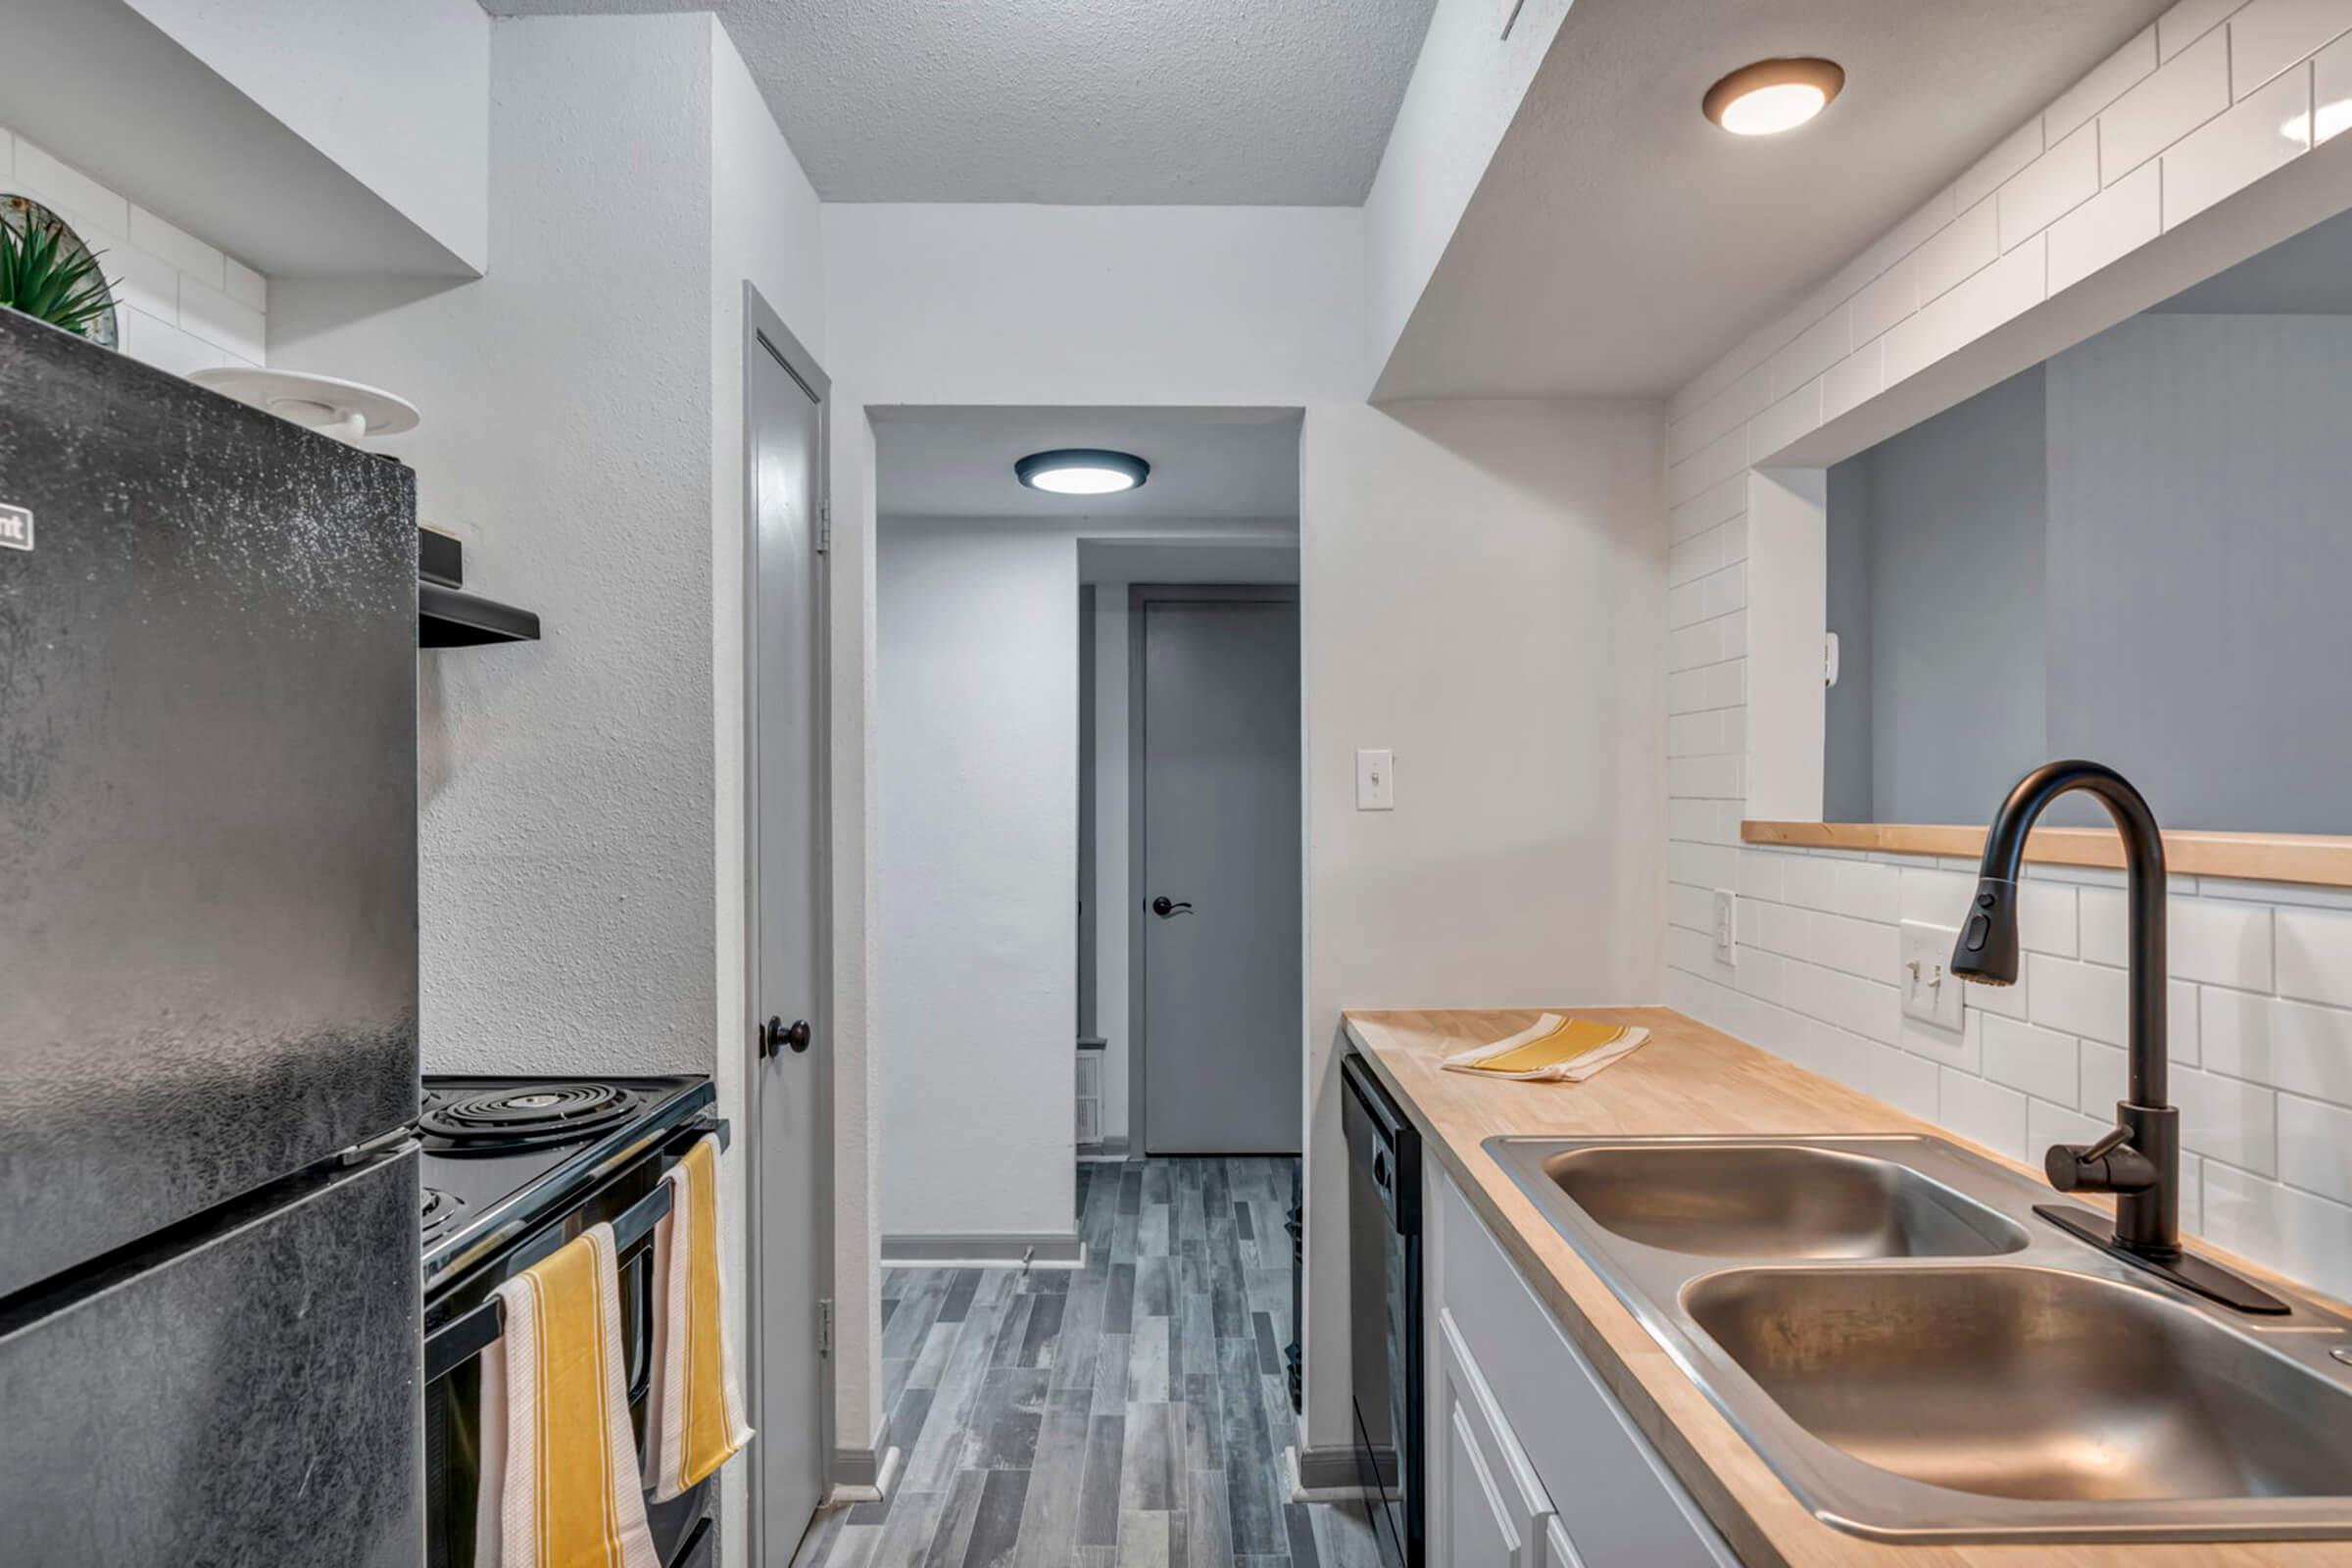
x: 16, y: 529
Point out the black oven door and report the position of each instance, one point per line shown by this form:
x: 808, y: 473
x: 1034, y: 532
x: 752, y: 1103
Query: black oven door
x: 1384, y: 1310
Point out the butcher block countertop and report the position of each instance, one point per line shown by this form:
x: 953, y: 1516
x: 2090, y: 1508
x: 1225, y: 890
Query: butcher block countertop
x: 1691, y: 1079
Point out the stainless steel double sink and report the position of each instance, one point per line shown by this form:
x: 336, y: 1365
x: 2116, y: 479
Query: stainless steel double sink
x: 1920, y: 1357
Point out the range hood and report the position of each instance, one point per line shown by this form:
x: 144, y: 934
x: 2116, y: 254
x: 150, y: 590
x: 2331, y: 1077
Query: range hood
x: 448, y: 616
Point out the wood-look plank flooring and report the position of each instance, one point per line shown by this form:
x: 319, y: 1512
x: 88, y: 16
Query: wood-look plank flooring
x: 1130, y: 1414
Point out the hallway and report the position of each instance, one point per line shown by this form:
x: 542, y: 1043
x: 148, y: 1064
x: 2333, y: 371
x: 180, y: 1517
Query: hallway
x: 1132, y: 1412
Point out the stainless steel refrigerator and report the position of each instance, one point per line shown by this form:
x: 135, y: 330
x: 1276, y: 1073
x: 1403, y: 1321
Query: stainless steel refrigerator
x: 208, y: 1266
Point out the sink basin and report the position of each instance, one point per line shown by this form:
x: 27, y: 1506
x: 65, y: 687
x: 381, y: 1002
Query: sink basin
x: 1775, y: 1201
x: 1920, y: 1356
x: 2030, y: 1383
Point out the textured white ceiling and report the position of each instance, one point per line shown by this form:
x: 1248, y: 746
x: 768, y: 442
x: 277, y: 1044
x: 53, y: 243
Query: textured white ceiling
x: 1073, y: 101
x: 1619, y: 242
x: 1206, y: 463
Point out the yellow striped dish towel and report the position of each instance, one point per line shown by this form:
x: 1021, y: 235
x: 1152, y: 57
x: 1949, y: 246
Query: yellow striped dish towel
x: 695, y: 1420
x: 560, y: 1483
x: 1551, y: 1049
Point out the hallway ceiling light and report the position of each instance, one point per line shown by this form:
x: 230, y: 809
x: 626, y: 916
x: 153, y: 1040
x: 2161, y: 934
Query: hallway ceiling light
x: 1082, y: 472
x: 1772, y: 95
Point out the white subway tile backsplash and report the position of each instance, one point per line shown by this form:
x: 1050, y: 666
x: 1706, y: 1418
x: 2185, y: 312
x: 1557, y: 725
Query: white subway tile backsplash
x: 1730, y: 408
x: 165, y: 346
x: 2227, y: 1119
x: 1711, y: 508
x: 1960, y: 251
x: 183, y: 250
x: 2107, y: 81
x: 2121, y: 219
x: 2315, y: 1146
x: 1796, y: 414
x: 2092, y: 1001
x: 1982, y: 1112
x: 141, y: 281
x: 2185, y: 92
x: 2292, y: 1044
x: 1719, y: 459
x: 2315, y: 955
x: 1808, y: 354
x: 2190, y: 20
x: 1887, y: 299
x: 170, y: 303
x: 2239, y: 147
x: 2010, y: 154
x: 1853, y: 380
x: 246, y: 286
x: 2219, y: 943
x: 54, y: 183
x: 2007, y: 288
x: 2270, y: 36
x: 2052, y: 185
x: 2039, y: 1062
x: 222, y: 321
x: 2297, y: 1233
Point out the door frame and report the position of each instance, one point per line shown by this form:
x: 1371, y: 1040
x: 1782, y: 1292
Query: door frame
x: 1139, y: 596
x: 764, y: 332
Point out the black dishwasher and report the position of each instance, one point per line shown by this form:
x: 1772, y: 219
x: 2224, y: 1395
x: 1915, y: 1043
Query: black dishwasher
x: 1384, y: 1309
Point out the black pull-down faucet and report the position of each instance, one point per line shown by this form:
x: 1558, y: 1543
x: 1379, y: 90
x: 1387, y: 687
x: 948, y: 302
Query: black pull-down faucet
x: 2140, y: 1160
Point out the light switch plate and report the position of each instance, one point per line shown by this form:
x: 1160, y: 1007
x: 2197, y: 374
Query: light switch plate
x: 1931, y: 991
x: 1376, y: 780
x: 1727, y: 926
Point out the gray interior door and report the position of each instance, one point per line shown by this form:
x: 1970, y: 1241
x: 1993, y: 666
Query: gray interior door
x: 1220, y: 810
x: 785, y: 443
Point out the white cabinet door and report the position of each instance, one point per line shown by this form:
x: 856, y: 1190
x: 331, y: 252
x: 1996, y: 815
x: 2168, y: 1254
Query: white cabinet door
x: 1486, y: 1510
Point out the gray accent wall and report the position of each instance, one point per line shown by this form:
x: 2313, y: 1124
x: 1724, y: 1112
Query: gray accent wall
x: 2137, y: 553
x: 2201, y: 548
x: 1935, y: 570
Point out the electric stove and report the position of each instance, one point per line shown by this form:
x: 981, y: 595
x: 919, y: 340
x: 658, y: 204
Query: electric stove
x: 512, y: 1169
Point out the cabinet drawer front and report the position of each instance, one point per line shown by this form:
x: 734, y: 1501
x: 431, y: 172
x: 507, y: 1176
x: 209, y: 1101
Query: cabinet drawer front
x: 1618, y: 1504
x: 1491, y: 1508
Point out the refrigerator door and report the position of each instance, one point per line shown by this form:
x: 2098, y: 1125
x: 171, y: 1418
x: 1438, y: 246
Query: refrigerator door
x: 249, y: 1399
x: 208, y: 799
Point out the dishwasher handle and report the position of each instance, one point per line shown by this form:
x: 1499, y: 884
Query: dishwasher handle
x: 1382, y: 1144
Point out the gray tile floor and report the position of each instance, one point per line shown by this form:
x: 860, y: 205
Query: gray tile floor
x: 1133, y: 1413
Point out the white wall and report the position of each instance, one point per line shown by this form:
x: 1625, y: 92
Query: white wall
x: 1464, y: 92
x: 1209, y: 306
x: 1482, y: 583
x: 566, y: 812
x: 2035, y: 249
x: 180, y: 304
x: 977, y: 855
x: 395, y: 91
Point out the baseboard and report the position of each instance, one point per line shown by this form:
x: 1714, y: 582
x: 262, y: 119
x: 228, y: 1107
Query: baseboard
x: 1109, y: 1149
x: 863, y: 1474
x: 1322, y: 1475
x: 1058, y: 1249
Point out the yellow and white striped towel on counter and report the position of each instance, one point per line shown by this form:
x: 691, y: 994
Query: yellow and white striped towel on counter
x: 560, y: 1483
x: 1551, y: 1049
x: 695, y: 1422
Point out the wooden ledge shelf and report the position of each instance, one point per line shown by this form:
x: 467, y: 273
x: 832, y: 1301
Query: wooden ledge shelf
x: 2320, y: 859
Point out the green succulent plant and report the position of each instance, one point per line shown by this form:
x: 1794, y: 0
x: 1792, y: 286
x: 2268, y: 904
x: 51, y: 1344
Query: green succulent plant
x: 47, y: 273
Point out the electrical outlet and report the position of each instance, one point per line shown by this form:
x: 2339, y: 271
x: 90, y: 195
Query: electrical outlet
x: 1931, y: 991
x: 1727, y: 926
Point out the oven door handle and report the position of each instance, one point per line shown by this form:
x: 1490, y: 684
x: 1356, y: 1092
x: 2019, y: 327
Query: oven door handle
x: 467, y: 1335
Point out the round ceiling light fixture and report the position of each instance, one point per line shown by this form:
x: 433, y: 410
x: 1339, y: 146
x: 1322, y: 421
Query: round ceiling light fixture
x: 1772, y: 95
x: 1082, y: 472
